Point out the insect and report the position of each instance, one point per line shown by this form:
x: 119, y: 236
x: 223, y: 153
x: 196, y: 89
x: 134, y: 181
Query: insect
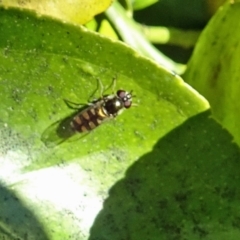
x: 93, y: 115
x: 105, y: 108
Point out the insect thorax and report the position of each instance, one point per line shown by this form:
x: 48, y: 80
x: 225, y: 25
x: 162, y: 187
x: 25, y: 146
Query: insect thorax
x: 113, y: 105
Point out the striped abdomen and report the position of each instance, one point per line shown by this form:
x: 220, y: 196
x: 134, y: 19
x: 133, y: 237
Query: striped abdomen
x: 88, y: 119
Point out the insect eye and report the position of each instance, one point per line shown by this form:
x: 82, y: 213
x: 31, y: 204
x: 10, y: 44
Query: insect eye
x: 127, y: 104
x: 125, y: 97
x: 121, y: 93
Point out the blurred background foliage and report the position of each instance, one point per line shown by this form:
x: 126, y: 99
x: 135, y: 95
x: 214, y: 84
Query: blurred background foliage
x: 173, y: 26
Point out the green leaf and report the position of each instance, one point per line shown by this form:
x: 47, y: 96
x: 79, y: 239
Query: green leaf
x: 214, y: 67
x: 140, y: 4
x: 74, y: 11
x: 44, y: 62
x: 187, y: 187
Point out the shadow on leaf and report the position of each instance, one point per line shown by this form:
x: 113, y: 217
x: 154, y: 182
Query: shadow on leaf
x: 17, y: 222
x: 187, y: 187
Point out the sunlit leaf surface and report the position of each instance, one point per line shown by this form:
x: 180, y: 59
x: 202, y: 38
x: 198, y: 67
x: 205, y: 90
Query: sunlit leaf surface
x: 162, y: 169
x: 75, y: 11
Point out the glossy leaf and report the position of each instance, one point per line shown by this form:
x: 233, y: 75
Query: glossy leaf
x: 214, y: 67
x: 61, y: 189
x: 185, y: 188
x: 75, y: 11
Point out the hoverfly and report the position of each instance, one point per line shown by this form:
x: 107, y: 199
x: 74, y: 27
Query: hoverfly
x: 89, y: 117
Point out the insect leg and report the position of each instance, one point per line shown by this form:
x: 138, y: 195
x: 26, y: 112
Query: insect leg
x: 91, y: 99
x: 73, y: 105
x: 100, y: 86
x: 112, y: 85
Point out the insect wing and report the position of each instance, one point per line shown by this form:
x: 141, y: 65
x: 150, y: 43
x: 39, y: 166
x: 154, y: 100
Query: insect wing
x: 59, y: 131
